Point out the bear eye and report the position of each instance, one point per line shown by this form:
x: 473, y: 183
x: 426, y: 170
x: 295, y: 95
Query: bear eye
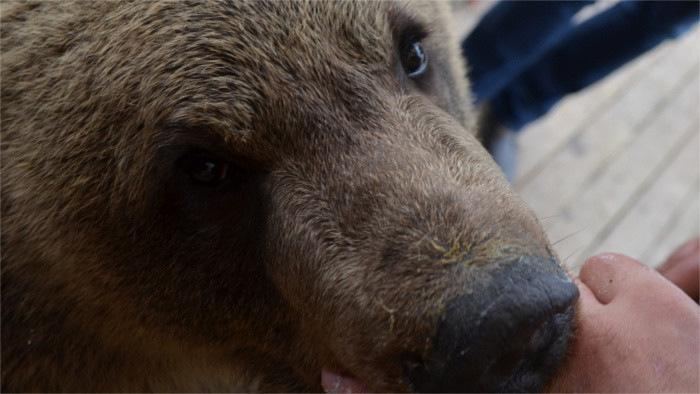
x: 207, y: 172
x: 414, y: 59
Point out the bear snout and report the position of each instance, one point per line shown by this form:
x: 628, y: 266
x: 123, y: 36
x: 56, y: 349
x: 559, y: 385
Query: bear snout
x: 508, y: 335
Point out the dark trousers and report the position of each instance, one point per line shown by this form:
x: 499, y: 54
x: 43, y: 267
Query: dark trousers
x: 526, y: 56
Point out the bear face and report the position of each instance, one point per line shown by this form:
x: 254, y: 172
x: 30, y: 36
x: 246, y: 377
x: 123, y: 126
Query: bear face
x: 233, y: 195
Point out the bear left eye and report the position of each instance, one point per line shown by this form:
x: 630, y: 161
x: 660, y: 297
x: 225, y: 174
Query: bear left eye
x: 207, y: 172
x: 414, y: 59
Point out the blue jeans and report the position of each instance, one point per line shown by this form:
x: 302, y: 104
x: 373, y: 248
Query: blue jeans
x: 526, y: 56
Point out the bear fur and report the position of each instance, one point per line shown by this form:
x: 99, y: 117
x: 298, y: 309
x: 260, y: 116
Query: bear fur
x: 232, y: 195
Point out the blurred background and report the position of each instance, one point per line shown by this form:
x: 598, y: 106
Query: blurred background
x: 615, y: 167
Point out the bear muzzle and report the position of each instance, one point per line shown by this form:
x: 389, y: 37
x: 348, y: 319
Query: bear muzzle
x: 508, y: 335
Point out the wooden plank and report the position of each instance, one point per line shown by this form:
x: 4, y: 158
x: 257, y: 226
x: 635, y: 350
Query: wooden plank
x: 640, y: 226
x: 682, y: 226
x: 466, y: 14
x: 597, y: 210
x: 644, y: 221
x: 573, y: 170
x: 540, y: 141
x: 597, y: 203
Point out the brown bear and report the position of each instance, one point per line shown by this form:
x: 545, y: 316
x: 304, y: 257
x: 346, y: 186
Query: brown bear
x: 233, y: 195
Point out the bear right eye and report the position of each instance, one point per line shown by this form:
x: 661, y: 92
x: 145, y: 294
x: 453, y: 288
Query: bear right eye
x: 414, y: 59
x: 207, y: 172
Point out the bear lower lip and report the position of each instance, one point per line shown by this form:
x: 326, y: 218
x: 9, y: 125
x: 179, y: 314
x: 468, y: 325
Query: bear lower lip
x: 333, y: 382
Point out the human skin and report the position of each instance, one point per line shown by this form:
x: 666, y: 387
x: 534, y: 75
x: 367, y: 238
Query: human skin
x: 638, y: 331
x: 683, y: 268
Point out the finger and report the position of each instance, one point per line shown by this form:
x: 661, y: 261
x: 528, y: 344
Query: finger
x: 586, y: 298
x: 682, y: 268
x: 686, y: 275
x: 574, y: 373
x: 689, y: 250
x: 607, y: 274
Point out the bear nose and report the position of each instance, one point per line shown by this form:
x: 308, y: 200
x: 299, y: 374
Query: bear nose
x: 507, y: 336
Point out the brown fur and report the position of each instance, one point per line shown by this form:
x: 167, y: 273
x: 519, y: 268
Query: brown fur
x: 361, y: 203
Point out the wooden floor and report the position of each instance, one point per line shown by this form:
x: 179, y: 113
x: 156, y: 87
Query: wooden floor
x: 616, y: 167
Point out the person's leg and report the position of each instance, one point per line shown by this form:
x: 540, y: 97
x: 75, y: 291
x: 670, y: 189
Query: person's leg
x: 510, y: 37
x: 589, y: 52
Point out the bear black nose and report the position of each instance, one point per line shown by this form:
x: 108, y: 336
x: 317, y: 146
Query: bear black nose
x: 509, y: 335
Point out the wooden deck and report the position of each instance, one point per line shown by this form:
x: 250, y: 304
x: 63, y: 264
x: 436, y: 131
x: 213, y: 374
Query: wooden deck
x: 616, y: 167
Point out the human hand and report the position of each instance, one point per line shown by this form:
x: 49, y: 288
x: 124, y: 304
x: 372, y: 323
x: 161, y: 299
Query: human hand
x: 637, y: 331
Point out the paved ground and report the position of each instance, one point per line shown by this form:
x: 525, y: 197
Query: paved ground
x: 616, y: 167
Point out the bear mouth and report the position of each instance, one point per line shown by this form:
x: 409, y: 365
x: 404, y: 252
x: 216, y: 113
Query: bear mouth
x: 334, y: 382
x: 526, y: 364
